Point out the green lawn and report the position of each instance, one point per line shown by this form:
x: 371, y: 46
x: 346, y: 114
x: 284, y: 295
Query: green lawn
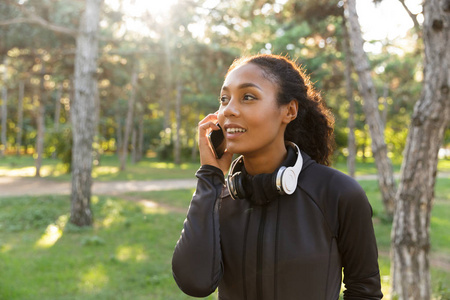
x: 127, y: 253
x: 107, y: 170
x: 147, y: 169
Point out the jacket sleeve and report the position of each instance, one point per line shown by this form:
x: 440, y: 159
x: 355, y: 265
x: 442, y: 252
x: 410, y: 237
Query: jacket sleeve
x: 357, y: 245
x: 197, y: 260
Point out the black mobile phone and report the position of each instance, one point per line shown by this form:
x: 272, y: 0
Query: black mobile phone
x: 217, y: 141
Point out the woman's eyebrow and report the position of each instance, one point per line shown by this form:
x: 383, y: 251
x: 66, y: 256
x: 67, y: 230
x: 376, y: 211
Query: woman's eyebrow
x: 242, y: 86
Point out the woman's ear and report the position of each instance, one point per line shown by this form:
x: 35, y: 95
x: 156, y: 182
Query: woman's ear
x: 291, y: 111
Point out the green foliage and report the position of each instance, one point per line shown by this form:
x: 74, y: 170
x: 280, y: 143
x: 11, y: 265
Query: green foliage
x: 171, y: 53
x: 60, y: 142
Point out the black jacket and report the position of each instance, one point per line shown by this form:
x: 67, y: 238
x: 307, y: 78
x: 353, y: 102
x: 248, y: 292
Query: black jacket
x: 291, y: 248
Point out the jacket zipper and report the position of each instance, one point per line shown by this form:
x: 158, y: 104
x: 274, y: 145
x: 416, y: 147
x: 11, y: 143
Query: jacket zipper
x: 259, y: 253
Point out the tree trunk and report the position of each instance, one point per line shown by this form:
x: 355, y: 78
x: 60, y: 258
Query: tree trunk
x: 360, y: 61
x: 40, y: 122
x: 4, y: 108
x: 119, y: 135
x: 177, y: 146
x: 133, y: 145
x: 97, y: 146
x: 19, y: 129
x: 82, y: 115
x: 71, y: 97
x: 57, y: 114
x: 129, y: 120
x: 363, y: 146
x: 140, y: 142
x: 168, y: 81
x: 351, y: 141
x: 384, y: 115
x: 194, y: 144
x: 410, y: 233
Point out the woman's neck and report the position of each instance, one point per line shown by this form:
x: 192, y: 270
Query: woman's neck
x: 266, y: 162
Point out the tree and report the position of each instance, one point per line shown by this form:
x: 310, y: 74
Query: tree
x: 130, y: 114
x: 351, y: 159
x: 40, y: 120
x: 20, y: 117
x: 361, y: 63
x: 4, y: 109
x: 82, y: 115
x: 57, y: 114
x: 414, y: 198
x: 177, y: 147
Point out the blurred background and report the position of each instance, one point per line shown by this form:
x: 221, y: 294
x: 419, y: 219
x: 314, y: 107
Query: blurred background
x: 179, y: 51
x: 159, y: 69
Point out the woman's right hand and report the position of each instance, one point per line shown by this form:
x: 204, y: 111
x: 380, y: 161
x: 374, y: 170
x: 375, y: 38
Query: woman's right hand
x: 207, y: 156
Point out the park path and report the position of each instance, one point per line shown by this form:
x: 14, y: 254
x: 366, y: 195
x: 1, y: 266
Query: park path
x: 25, y: 186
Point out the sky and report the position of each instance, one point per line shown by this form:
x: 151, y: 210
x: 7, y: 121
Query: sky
x: 387, y: 19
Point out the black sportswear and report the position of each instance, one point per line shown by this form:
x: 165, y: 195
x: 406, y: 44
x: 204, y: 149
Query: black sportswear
x: 292, y: 247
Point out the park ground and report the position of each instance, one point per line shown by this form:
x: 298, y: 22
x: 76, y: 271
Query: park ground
x: 138, y: 216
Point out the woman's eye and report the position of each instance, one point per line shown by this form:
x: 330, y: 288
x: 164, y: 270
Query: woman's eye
x: 223, y: 99
x: 249, y: 97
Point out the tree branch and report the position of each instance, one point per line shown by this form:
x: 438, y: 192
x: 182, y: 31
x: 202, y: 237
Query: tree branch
x: 413, y: 16
x: 32, y: 18
x: 13, y: 21
x: 41, y: 22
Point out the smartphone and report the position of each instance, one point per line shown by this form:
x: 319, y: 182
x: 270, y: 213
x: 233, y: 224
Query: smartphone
x: 217, y: 141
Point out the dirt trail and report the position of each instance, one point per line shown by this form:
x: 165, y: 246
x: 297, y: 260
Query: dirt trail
x: 22, y: 186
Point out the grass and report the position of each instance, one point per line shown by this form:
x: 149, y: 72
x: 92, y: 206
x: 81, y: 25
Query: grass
x: 107, y: 170
x: 368, y: 166
x: 127, y: 253
x: 148, y: 169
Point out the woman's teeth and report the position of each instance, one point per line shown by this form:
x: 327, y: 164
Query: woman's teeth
x: 234, y: 130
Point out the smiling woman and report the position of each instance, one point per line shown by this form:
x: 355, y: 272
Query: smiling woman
x: 282, y: 223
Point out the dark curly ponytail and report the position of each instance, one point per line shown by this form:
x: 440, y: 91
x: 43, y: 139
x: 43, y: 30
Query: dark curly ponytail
x: 312, y: 130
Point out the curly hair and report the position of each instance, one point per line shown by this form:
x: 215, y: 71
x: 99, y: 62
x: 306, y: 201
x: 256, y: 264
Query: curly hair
x: 312, y: 129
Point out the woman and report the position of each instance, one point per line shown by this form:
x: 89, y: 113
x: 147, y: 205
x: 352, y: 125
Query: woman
x: 262, y: 233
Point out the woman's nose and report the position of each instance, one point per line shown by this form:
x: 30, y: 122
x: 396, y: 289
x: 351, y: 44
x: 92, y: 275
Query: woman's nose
x: 231, y: 109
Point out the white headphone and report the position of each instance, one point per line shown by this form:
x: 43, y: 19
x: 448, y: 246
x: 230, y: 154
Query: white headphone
x: 285, y: 180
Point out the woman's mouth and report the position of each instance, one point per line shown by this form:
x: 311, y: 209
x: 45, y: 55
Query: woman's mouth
x: 234, y: 132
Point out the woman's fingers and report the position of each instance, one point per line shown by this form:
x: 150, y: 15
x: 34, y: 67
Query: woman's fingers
x: 207, y: 156
x: 205, y: 126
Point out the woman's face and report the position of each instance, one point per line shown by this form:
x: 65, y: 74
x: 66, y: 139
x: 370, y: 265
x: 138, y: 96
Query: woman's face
x: 252, y: 121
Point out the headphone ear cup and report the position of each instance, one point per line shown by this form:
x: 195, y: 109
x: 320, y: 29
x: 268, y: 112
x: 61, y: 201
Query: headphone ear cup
x: 240, y: 191
x: 235, y: 186
x: 287, y: 177
x: 289, y: 181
